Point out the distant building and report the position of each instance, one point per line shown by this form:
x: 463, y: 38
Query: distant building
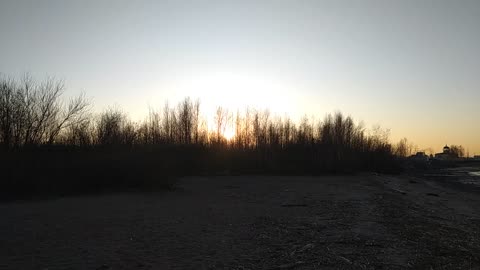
x: 476, y: 157
x: 446, y: 154
x: 419, y: 156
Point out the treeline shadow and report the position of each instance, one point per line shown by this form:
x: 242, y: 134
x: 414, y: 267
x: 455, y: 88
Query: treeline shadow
x: 49, y: 147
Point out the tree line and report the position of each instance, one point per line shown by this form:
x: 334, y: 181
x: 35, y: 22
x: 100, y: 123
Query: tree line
x: 34, y: 113
x: 44, y: 136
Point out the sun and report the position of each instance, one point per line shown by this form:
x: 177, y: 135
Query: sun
x: 229, y: 134
x: 235, y: 90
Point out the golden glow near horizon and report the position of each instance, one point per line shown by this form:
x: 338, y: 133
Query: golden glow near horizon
x: 229, y: 133
x: 235, y: 91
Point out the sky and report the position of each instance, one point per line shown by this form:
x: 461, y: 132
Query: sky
x: 412, y: 67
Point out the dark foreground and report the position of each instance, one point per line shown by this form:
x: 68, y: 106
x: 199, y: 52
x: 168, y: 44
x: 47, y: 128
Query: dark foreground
x: 330, y: 222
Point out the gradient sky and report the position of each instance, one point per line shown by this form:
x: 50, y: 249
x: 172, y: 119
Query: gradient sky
x: 410, y: 66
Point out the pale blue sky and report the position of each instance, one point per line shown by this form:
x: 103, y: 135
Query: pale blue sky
x: 411, y: 66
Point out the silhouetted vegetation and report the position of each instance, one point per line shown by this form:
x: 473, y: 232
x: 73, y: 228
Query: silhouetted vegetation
x: 53, y: 147
x: 457, y: 150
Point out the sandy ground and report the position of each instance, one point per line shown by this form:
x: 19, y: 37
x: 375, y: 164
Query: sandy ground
x: 252, y: 222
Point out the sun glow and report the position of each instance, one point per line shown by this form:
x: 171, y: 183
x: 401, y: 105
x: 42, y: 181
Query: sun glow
x: 229, y: 134
x: 234, y: 91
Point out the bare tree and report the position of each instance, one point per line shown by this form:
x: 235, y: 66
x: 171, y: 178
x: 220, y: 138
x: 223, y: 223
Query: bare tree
x: 401, y: 149
x: 7, y: 92
x: 186, y: 120
x: 80, y: 133
x: 196, y: 121
x: 457, y: 150
x: 221, y: 118
x: 73, y: 114
x: 110, y: 126
x: 32, y: 113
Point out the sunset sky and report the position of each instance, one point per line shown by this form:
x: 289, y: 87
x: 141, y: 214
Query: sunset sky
x: 410, y: 66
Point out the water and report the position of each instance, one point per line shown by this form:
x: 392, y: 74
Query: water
x: 474, y: 173
x: 466, y: 175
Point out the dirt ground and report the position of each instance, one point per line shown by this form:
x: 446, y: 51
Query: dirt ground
x: 364, y: 221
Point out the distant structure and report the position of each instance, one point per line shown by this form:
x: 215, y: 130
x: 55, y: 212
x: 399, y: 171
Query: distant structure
x: 420, y: 156
x: 446, y: 154
x: 476, y: 157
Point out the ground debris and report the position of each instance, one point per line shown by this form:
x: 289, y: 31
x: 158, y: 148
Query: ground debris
x: 289, y: 265
x: 344, y: 259
x: 400, y: 191
x: 303, y: 249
